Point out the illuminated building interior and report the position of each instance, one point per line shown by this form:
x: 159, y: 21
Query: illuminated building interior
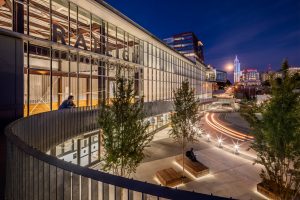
x: 86, y: 51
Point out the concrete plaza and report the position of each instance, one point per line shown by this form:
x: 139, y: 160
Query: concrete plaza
x: 230, y: 174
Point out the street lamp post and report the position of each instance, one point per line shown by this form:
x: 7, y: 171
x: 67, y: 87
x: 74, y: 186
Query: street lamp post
x: 236, y: 149
x: 220, y: 141
x: 208, y: 137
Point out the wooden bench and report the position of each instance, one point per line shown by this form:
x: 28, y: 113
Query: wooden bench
x: 169, y: 177
x: 197, y: 169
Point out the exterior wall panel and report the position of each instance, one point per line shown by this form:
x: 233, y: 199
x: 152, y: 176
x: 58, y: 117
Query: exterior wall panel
x: 11, y: 87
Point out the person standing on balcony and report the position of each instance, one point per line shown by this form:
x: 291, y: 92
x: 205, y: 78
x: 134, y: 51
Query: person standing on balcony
x: 68, y: 103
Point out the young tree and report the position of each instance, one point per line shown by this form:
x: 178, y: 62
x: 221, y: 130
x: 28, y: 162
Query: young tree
x: 124, y: 130
x: 186, y: 118
x: 284, y: 68
x: 277, y: 137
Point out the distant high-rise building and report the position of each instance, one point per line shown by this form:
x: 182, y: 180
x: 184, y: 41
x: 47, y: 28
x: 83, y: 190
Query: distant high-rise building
x: 294, y: 70
x: 250, y: 77
x: 268, y: 75
x: 237, y: 70
x: 187, y: 44
x: 215, y: 75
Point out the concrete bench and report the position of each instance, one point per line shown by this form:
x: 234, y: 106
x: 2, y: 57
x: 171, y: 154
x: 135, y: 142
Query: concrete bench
x: 197, y: 169
x: 169, y: 177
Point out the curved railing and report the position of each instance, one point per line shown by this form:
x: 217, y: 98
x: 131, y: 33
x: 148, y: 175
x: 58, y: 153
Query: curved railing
x: 33, y: 174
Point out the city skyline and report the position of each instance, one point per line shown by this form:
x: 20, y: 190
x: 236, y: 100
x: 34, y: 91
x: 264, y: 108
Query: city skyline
x: 260, y: 39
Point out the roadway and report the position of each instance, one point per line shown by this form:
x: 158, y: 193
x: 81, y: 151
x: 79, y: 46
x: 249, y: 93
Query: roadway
x: 229, y: 130
x: 219, y: 127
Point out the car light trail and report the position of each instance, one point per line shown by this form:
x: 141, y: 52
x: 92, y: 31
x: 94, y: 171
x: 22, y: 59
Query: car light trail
x: 224, y: 130
x: 229, y: 129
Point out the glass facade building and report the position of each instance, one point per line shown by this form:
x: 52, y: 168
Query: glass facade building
x: 75, y: 47
x: 221, y: 76
x: 188, y: 44
x: 217, y: 77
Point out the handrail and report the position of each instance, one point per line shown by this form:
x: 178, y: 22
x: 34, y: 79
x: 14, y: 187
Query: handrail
x: 21, y: 148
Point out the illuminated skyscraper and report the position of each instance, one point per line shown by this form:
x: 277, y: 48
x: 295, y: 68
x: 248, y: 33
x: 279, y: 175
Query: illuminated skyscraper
x: 237, y: 70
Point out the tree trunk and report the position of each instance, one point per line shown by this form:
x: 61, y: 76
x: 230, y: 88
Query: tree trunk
x: 182, y: 158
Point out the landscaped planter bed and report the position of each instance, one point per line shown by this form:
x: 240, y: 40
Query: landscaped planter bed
x: 267, y: 190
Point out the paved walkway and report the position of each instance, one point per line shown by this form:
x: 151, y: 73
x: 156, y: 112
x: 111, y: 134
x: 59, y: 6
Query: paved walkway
x: 230, y: 174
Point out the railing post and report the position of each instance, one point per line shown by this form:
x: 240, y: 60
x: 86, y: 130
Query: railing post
x: 89, y: 150
x: 78, y: 151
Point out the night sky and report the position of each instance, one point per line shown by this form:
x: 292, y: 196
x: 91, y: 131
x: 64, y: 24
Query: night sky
x: 260, y: 32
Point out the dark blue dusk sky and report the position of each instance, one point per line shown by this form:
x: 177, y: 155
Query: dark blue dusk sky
x: 260, y: 32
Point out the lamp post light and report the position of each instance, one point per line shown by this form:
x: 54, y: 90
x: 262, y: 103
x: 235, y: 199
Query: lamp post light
x: 236, y: 149
x: 220, y: 141
x: 208, y: 137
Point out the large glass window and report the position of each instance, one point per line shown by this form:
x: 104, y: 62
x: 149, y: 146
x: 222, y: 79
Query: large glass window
x: 84, y: 81
x: 60, y: 21
x: 60, y: 77
x: 39, y: 19
x: 6, y: 15
x: 74, y: 64
x: 39, y: 91
x: 146, y: 54
x: 136, y: 52
x: 131, y: 45
x: 95, y: 148
x: 95, y: 90
x: 98, y: 35
x: 111, y: 41
x: 73, y: 25
x: 84, y: 151
x: 84, y: 29
x: 121, y: 43
x: 141, y: 52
